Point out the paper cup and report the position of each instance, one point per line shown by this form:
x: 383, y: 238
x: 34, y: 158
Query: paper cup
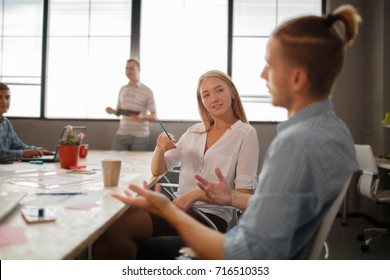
x: 111, y: 171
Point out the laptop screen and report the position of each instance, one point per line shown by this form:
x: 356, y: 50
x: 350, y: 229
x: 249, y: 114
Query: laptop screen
x: 76, y: 131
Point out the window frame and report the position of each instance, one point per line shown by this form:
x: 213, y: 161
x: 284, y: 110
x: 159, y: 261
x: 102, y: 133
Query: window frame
x: 134, y: 51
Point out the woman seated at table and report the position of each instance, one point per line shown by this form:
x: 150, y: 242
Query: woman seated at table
x: 224, y: 139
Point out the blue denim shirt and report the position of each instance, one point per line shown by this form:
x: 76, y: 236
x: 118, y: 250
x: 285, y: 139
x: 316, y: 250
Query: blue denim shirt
x: 11, y: 147
x: 304, y: 170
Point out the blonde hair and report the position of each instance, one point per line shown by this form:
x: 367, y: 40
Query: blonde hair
x: 316, y: 44
x: 238, y: 109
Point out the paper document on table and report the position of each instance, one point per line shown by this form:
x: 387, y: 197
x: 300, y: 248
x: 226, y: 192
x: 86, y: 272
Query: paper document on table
x: 13, y: 170
x: 127, y: 179
x: 133, y: 164
x: 63, y: 198
x: 53, y: 181
x: 16, y: 168
x: 131, y: 178
x: 11, y: 235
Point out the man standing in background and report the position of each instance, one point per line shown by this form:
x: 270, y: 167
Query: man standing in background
x: 136, y: 104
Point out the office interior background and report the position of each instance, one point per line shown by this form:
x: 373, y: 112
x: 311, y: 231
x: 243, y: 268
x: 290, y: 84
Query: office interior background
x: 53, y: 86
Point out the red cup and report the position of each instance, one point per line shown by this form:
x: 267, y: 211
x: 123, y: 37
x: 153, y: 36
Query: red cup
x: 83, y: 151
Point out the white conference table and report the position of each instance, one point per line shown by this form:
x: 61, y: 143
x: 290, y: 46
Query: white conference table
x: 383, y: 163
x: 73, y: 230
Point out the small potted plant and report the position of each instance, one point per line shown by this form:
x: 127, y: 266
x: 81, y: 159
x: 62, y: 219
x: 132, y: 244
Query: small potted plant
x: 69, y: 146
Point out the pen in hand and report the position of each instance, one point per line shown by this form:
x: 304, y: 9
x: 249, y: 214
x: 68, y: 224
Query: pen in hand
x: 165, y: 131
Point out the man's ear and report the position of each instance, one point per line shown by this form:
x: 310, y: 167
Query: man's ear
x: 299, y: 79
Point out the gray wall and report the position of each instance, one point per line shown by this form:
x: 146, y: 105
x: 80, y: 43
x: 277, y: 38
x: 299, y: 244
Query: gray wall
x: 99, y: 134
x: 360, y: 98
x: 361, y: 93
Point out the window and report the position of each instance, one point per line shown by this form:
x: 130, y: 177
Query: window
x: 21, y: 54
x: 89, y: 41
x: 177, y: 47
x: 88, y: 45
x: 253, y: 22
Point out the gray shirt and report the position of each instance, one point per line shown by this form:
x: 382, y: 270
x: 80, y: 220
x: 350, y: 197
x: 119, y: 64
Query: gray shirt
x: 137, y: 98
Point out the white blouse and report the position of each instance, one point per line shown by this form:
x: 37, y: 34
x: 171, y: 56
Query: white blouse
x: 236, y: 153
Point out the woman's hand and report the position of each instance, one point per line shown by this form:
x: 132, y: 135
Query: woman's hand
x: 219, y: 193
x: 186, y: 200
x: 164, y: 144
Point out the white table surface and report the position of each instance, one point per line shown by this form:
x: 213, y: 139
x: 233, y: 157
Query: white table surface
x: 73, y: 230
x: 383, y: 163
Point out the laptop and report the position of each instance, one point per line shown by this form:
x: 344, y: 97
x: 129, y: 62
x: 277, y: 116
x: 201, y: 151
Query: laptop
x: 56, y: 156
x: 8, y: 202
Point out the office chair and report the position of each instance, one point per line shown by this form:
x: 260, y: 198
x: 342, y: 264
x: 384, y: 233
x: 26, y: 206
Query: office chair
x: 169, y: 188
x: 319, y: 240
x: 369, y: 186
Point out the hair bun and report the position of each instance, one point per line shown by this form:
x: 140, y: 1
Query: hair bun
x: 330, y: 19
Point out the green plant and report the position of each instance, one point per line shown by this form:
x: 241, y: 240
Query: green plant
x: 70, y: 139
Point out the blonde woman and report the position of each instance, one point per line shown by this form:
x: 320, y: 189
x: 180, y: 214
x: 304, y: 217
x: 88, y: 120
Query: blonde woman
x: 224, y: 139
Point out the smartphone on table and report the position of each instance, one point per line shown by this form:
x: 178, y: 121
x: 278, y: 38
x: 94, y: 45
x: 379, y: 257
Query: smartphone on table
x: 38, y: 215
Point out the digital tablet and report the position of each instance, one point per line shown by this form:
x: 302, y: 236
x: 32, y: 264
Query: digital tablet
x: 126, y: 112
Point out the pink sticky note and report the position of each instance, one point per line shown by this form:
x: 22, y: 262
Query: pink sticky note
x: 82, y: 206
x: 11, y: 235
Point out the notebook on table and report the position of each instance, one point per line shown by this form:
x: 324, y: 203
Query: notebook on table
x: 56, y: 156
x: 8, y: 202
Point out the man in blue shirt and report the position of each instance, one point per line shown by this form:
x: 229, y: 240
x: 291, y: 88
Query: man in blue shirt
x: 11, y: 147
x: 305, y: 166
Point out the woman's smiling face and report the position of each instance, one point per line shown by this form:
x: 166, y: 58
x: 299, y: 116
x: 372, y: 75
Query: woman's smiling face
x: 216, y: 96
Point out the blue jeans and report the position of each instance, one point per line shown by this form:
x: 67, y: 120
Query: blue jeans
x: 130, y: 143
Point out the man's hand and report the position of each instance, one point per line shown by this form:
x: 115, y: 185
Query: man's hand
x: 219, y: 193
x: 151, y: 201
x: 46, y: 152
x: 110, y: 110
x: 136, y: 117
x: 36, y: 153
x: 32, y: 153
